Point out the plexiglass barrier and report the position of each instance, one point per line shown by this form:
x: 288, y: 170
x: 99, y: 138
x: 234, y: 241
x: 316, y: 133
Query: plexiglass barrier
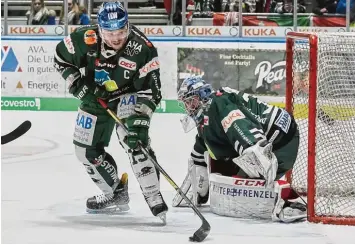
x: 261, y: 18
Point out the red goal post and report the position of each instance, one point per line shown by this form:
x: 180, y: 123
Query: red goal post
x: 320, y: 93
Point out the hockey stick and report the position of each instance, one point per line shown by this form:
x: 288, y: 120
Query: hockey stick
x: 17, y: 132
x: 205, y: 228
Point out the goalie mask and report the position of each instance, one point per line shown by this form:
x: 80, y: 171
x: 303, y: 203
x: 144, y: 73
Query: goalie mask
x: 193, y: 96
x: 113, y: 25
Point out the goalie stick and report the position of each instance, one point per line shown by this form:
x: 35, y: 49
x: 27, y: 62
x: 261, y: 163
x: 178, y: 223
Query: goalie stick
x: 205, y: 228
x: 17, y: 132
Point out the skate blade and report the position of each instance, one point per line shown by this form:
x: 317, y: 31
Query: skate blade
x: 114, y: 210
x: 162, y: 216
x: 123, y: 207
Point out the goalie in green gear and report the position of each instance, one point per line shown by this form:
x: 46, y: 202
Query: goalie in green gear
x: 113, y: 61
x: 244, y: 137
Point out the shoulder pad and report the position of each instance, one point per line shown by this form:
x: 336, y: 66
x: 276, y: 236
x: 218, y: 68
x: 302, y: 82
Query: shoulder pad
x: 140, y: 37
x: 90, y: 37
x: 88, y: 34
x: 86, y: 27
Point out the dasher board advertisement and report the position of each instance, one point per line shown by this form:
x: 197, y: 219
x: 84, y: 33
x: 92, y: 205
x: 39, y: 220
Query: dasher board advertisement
x: 260, y: 72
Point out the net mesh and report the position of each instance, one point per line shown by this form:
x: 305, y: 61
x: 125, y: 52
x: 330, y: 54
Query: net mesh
x: 335, y: 122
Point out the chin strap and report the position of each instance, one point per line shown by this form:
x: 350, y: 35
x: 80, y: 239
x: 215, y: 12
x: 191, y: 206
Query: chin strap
x: 105, y: 51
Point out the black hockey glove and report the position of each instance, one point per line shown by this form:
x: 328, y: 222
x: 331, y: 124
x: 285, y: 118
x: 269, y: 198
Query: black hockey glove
x: 87, y: 90
x: 138, y: 128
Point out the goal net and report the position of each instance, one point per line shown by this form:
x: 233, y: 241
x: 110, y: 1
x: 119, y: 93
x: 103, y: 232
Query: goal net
x: 320, y: 93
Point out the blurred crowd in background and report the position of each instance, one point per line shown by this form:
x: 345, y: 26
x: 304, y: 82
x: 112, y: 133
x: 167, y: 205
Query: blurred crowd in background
x: 41, y: 12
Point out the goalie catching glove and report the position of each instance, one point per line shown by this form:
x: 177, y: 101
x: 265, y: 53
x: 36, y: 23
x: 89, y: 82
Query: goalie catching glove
x: 195, y: 186
x: 259, y: 161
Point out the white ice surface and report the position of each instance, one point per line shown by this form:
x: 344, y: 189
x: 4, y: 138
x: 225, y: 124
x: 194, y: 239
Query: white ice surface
x: 44, y: 190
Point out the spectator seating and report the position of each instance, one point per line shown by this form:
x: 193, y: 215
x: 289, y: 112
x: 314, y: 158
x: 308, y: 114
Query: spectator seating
x: 158, y: 16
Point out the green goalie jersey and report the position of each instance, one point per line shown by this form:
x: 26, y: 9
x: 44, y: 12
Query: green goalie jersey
x: 83, y: 55
x: 234, y: 121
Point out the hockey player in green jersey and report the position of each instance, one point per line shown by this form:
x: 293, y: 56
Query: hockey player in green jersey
x: 113, y: 61
x: 244, y: 137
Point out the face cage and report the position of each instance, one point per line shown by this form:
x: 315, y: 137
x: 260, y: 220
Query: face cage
x: 192, y: 105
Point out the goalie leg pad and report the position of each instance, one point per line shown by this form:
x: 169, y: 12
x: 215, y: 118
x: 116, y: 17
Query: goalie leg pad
x: 100, y: 166
x: 196, y: 174
x: 284, y: 210
x: 185, y: 187
x: 202, y: 180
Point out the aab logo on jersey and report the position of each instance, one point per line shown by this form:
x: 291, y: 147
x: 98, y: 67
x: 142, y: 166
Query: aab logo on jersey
x: 127, y: 100
x: 9, y: 61
x: 84, y: 121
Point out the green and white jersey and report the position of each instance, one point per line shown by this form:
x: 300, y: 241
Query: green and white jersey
x: 135, y: 68
x: 234, y: 121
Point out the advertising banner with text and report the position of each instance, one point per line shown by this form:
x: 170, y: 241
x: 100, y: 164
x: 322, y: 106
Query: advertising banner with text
x: 71, y: 104
x: 27, y: 69
x: 177, y: 31
x: 67, y: 104
x: 259, y: 72
x: 58, y: 30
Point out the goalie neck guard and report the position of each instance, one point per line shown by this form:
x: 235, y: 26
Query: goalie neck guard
x: 193, y: 96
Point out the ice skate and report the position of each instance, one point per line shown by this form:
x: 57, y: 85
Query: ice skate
x: 116, y: 202
x: 158, y: 206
